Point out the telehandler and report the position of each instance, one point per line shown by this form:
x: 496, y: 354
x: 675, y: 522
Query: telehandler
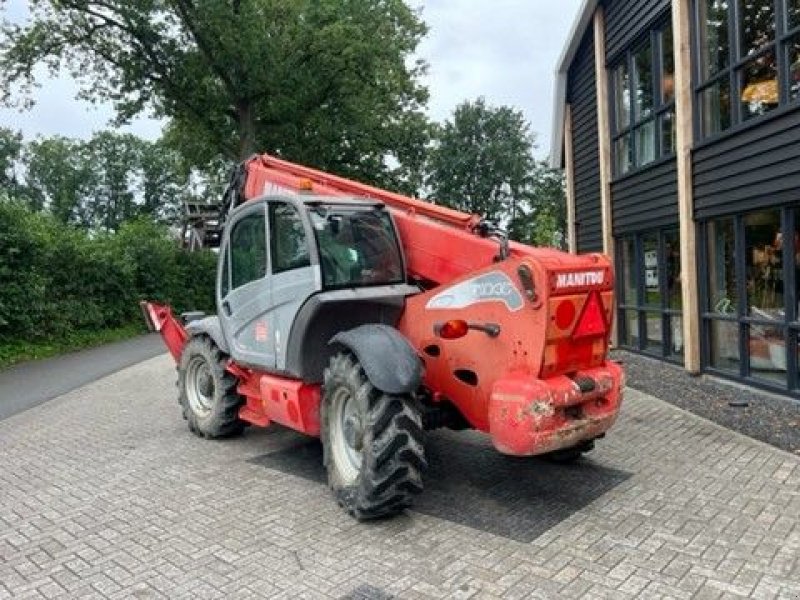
x: 365, y: 318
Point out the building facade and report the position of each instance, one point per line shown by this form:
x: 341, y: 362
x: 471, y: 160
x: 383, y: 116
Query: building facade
x: 678, y: 125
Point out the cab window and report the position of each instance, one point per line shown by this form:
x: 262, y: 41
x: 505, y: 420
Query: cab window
x: 287, y: 239
x: 248, y: 248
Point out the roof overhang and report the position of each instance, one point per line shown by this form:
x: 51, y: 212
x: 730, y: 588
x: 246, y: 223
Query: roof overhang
x: 582, y: 21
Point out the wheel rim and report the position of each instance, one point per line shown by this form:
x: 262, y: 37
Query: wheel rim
x: 200, y: 386
x: 347, y: 434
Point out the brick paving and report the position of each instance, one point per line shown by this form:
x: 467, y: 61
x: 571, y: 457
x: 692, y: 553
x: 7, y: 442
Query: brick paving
x: 104, y: 493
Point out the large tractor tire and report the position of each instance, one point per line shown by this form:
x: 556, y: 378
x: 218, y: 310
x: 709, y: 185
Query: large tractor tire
x: 207, y: 392
x: 372, y: 442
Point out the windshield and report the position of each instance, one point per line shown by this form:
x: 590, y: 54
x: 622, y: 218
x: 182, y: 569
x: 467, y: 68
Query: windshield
x: 356, y: 247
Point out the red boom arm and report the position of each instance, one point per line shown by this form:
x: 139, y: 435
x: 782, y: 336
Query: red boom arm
x: 439, y: 242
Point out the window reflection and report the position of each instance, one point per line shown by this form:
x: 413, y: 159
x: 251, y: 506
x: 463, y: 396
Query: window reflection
x: 722, y: 267
x: 759, y: 86
x: 713, y: 33
x: 667, y: 66
x: 715, y: 103
x: 757, y: 25
x: 643, y: 63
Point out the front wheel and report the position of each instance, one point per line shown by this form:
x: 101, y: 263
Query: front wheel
x: 372, y: 442
x: 207, y: 392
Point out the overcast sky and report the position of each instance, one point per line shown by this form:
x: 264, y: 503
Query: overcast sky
x: 504, y: 50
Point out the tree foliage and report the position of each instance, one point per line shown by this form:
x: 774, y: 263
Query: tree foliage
x: 323, y: 82
x: 97, y: 183
x: 482, y: 162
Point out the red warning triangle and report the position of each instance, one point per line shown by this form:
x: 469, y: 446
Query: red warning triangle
x: 593, y: 318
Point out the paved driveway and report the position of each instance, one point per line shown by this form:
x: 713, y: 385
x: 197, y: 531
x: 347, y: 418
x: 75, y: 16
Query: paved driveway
x: 103, y: 492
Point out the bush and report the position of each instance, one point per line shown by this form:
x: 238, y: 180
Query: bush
x: 56, y: 280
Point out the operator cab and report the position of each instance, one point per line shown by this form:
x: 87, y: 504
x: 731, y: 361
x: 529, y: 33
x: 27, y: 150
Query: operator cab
x: 296, y: 270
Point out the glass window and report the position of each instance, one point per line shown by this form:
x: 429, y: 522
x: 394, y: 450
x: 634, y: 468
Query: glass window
x: 654, y: 330
x: 645, y: 143
x: 632, y: 328
x: 248, y: 250
x: 668, y: 133
x: 287, y: 239
x: 672, y: 254
x: 676, y: 336
x: 757, y: 25
x: 713, y: 36
x: 652, y: 287
x: 667, y: 66
x: 724, y: 337
x: 792, y: 14
x: 722, y: 267
x: 622, y: 97
x: 643, y: 94
x: 650, y: 265
x: 747, y: 58
x: 759, y: 86
x: 763, y: 259
x: 715, y: 106
x: 357, y: 247
x: 629, y: 271
x: 622, y: 152
x: 766, y: 346
x: 793, y: 49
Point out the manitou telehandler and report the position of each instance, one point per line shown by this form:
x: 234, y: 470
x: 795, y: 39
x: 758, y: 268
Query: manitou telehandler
x: 365, y: 317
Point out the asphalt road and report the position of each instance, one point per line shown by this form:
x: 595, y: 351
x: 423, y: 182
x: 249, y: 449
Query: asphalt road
x: 29, y: 384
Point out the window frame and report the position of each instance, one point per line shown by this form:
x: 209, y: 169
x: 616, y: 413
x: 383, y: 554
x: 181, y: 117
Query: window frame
x: 639, y: 304
x: 733, y: 73
x: 654, y: 36
x: 741, y: 319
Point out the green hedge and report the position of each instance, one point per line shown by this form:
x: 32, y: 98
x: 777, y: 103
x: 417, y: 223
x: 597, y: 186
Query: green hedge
x: 56, y: 280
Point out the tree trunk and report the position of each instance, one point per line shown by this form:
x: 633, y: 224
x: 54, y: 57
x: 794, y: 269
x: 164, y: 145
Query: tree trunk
x: 247, y: 130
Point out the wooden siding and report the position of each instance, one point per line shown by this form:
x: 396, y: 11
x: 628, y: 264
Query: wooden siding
x: 582, y: 97
x: 626, y: 19
x: 749, y: 169
x: 647, y: 199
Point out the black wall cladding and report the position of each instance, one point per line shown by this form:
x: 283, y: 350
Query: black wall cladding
x: 626, y: 20
x: 754, y: 168
x: 582, y: 97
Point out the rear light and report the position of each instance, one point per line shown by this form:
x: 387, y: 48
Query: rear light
x: 565, y: 314
x: 592, y: 322
x: 453, y: 329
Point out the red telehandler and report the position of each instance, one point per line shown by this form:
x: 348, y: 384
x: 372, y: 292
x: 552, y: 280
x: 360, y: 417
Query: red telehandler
x: 365, y: 318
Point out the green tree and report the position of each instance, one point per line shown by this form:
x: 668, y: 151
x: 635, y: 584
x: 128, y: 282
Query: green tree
x: 326, y: 82
x: 104, y: 181
x: 60, y: 179
x: 542, y: 216
x: 10, y: 156
x: 482, y: 162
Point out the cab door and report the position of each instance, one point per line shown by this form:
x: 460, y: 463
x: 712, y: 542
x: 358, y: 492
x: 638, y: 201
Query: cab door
x: 294, y: 276
x: 244, y: 295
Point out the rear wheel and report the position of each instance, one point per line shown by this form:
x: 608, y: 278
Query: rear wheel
x: 207, y: 392
x: 372, y: 441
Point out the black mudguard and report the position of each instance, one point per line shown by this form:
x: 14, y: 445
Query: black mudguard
x: 209, y: 326
x: 389, y: 361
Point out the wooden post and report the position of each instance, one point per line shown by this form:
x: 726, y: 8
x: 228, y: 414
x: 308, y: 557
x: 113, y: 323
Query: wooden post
x: 569, y: 167
x: 603, y: 130
x: 604, y: 142
x: 681, y: 27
